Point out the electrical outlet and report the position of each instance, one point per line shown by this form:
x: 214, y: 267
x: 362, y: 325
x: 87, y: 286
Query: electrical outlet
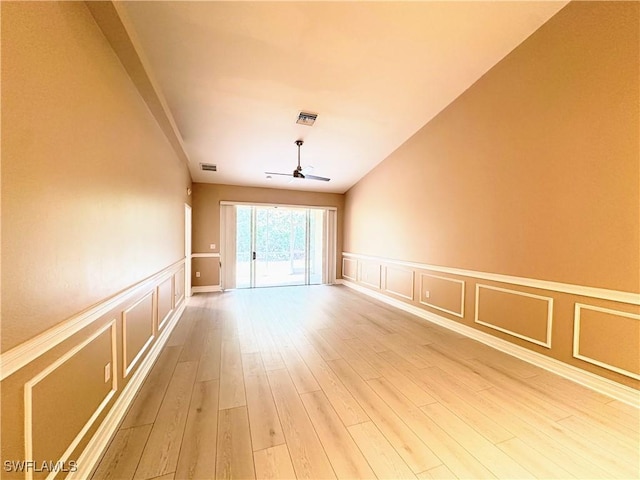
x: 427, y: 294
x: 107, y: 372
x: 212, y: 246
x: 197, y: 274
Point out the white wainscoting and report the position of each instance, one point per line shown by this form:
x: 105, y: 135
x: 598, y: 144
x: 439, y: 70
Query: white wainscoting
x: 632, y: 298
x: 576, y: 337
x: 92, y: 453
x: 30, y: 384
x: 114, y: 404
x: 409, y: 280
x: 206, y: 288
x: 369, y: 274
x: 163, y: 321
x: 460, y: 312
x: 25, y: 353
x: 127, y: 365
x: 548, y: 319
x: 594, y: 381
x: 346, y: 261
x: 590, y: 380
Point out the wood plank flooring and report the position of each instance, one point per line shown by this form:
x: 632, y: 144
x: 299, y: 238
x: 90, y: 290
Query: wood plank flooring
x: 323, y: 382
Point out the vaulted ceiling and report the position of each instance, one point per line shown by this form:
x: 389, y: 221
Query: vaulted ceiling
x: 235, y: 75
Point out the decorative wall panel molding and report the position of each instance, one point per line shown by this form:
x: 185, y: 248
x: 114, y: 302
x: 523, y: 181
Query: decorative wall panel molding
x: 615, y: 335
x: 98, y: 443
x: 369, y: 274
x: 178, y: 283
x: 133, y: 320
x: 435, y: 302
x: 526, y: 310
x: 400, y: 282
x: 590, y: 380
x: 31, y: 384
x: 165, y: 298
x: 23, y: 354
x: 547, y: 312
x: 606, y: 294
x: 349, y: 268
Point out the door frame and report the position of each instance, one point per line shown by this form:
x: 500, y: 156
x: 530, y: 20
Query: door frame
x: 330, y: 264
x: 187, y: 249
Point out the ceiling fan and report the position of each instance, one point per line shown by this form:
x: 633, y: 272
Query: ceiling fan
x: 297, y: 173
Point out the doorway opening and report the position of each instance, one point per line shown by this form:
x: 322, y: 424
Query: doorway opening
x: 277, y: 245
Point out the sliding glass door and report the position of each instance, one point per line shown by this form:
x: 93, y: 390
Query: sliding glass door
x: 316, y: 247
x: 244, y: 247
x: 278, y: 246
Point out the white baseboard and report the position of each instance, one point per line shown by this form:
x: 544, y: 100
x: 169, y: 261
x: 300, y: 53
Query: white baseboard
x: 590, y: 380
x: 91, y: 455
x: 206, y: 289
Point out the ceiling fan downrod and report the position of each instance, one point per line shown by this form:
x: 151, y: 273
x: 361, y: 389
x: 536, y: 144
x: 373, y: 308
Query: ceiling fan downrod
x: 299, y: 144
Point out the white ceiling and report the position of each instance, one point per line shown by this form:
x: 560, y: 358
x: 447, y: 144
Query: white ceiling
x: 236, y: 74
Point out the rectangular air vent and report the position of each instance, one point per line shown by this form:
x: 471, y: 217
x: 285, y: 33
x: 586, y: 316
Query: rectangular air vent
x: 208, y: 167
x: 306, y: 118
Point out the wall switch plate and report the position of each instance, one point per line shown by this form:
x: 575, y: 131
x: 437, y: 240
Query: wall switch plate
x: 107, y: 372
x: 427, y: 294
x: 212, y: 246
x: 197, y: 274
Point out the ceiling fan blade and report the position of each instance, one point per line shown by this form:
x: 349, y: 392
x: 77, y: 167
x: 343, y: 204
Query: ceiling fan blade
x: 300, y: 172
x: 315, y: 177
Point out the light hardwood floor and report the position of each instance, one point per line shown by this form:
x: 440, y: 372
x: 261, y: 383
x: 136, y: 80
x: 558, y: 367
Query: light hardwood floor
x: 322, y: 382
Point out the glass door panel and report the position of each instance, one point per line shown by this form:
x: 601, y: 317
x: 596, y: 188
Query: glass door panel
x: 298, y: 257
x: 316, y: 246
x: 244, y: 246
x: 279, y: 246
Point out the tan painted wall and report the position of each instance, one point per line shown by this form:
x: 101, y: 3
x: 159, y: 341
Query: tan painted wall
x: 92, y: 192
x: 596, y: 342
x: 209, y: 269
x: 206, y: 217
x: 92, y: 203
x: 533, y: 172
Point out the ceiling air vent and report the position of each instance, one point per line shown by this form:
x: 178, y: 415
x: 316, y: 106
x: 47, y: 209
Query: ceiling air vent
x: 306, y: 118
x: 208, y: 167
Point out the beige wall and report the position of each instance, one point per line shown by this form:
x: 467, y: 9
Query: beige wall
x: 532, y: 172
x: 92, y: 192
x: 206, y: 217
x: 92, y: 203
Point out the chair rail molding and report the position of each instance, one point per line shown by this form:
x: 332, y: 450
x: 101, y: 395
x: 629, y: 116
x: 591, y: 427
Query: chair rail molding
x: 13, y: 360
x: 593, y: 292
